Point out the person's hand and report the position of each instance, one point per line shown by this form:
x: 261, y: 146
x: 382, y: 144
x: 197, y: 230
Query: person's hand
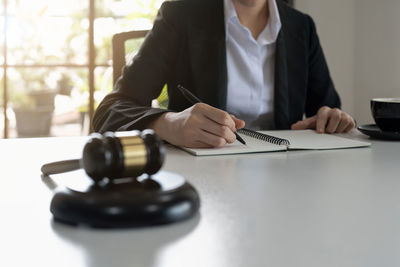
x: 199, y: 126
x: 327, y: 120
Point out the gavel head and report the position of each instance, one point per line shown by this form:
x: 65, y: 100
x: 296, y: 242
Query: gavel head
x: 122, y: 154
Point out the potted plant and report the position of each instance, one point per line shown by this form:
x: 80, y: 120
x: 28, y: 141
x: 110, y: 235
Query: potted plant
x: 64, y: 85
x: 33, y: 105
x: 33, y: 113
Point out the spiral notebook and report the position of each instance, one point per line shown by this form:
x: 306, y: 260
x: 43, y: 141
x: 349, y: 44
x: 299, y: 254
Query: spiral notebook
x: 270, y: 141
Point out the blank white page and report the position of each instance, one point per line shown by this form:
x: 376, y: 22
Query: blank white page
x: 310, y: 139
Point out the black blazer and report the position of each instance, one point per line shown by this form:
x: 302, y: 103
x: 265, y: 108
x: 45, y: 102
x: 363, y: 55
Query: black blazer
x: 187, y: 46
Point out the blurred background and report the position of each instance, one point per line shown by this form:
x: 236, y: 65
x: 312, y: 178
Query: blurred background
x: 56, y: 60
x: 56, y: 56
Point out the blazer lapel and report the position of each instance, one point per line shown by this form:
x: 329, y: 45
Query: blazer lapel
x: 281, y: 99
x: 208, y: 54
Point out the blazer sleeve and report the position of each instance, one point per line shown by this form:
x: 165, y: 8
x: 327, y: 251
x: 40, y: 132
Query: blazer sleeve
x: 128, y: 106
x: 320, y: 91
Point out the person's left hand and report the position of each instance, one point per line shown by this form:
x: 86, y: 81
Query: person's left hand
x: 327, y: 120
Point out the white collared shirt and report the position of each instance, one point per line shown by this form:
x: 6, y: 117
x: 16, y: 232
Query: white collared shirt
x: 251, y: 68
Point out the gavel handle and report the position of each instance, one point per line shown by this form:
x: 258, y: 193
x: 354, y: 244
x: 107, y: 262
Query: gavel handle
x: 61, y: 166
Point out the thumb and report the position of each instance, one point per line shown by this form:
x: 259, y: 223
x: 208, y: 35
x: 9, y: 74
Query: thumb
x: 239, y: 124
x: 309, y: 123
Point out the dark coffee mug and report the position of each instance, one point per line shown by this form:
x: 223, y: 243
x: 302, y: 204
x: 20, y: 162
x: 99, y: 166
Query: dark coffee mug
x: 386, y: 113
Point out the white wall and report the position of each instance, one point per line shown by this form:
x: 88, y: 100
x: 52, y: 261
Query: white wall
x: 335, y: 26
x: 377, y: 53
x: 361, y: 40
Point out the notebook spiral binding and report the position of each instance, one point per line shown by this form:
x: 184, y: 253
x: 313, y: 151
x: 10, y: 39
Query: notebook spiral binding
x: 264, y: 137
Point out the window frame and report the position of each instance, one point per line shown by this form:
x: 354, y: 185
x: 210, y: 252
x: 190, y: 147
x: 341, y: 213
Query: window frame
x: 91, y: 65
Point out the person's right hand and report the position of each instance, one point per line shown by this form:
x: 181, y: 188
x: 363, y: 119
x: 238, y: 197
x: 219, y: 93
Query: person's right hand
x: 200, y: 126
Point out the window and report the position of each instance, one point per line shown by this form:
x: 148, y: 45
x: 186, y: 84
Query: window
x: 56, y: 60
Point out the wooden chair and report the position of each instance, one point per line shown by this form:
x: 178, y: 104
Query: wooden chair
x: 119, y: 61
x: 118, y: 49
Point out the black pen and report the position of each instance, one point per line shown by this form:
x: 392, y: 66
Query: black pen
x: 194, y: 99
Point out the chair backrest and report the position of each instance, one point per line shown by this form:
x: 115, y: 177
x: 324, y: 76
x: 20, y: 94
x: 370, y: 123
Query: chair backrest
x: 118, y: 48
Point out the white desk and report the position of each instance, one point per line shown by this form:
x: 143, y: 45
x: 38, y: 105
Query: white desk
x: 298, y: 208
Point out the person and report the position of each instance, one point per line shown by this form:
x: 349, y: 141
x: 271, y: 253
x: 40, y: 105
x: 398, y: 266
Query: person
x: 257, y: 63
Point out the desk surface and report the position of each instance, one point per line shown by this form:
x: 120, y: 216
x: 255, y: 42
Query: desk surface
x: 298, y: 208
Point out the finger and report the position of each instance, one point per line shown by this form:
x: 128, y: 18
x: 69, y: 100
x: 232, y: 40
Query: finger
x: 211, y: 139
x: 217, y: 115
x: 308, y: 123
x: 335, y: 116
x: 197, y: 124
x: 218, y: 130
x: 322, y: 119
x: 239, y: 124
x: 350, y: 126
x: 344, y: 123
x: 205, y: 132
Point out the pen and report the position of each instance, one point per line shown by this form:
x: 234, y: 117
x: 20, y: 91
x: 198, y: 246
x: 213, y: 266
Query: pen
x: 194, y: 99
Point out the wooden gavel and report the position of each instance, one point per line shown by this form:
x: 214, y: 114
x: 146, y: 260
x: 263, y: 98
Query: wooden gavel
x: 115, y: 155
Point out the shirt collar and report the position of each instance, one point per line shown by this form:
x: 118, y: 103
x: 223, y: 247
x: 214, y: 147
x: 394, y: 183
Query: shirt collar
x: 270, y: 33
x: 230, y: 11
